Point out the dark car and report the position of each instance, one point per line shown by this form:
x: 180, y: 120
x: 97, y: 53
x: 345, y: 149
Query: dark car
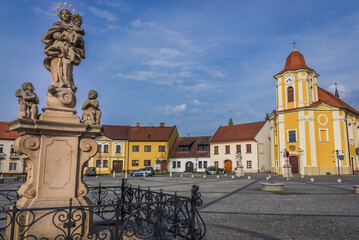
x: 148, y: 171
x: 212, y: 170
x: 91, y: 171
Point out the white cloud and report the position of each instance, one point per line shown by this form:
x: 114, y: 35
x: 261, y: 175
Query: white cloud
x: 115, y: 3
x: 196, y: 102
x: 103, y: 14
x: 161, y: 78
x: 169, y: 110
x: 200, y: 87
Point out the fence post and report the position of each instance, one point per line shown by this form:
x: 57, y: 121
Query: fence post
x: 123, y: 192
x: 117, y: 219
x: 13, y: 221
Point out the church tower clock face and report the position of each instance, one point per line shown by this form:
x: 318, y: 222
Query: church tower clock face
x: 289, y: 79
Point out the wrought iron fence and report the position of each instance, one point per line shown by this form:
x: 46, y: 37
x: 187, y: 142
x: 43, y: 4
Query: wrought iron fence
x: 118, y: 212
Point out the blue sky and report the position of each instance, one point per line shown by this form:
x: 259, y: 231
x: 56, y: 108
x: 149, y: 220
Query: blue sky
x: 189, y: 63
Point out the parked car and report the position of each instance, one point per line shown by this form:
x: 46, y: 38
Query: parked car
x: 90, y: 171
x: 212, y: 170
x: 148, y: 172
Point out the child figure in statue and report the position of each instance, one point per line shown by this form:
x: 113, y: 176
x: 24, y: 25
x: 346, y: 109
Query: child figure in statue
x: 92, y: 113
x: 28, y: 101
x: 77, y: 32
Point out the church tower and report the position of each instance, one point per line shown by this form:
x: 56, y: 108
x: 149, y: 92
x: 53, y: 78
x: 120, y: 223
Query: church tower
x: 318, y: 129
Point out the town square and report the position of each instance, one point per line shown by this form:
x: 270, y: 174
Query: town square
x: 182, y: 119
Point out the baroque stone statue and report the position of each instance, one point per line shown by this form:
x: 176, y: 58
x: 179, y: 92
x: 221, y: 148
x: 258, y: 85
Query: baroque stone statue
x: 91, y: 113
x: 28, y: 101
x: 64, y: 48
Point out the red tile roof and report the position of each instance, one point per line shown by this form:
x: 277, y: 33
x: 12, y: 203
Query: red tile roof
x: 116, y: 132
x: 5, y: 132
x: 151, y: 133
x: 193, y: 151
x: 295, y: 61
x: 237, y: 132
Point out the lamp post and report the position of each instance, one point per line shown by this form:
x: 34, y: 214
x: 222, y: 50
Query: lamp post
x: 338, y: 154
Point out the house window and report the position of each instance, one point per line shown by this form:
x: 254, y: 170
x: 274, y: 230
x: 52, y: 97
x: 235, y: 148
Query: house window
x: 147, y: 148
x: 179, y: 164
x: 203, y: 147
x: 205, y: 164
x: 249, y: 148
x: 290, y: 94
x: 105, y: 148
x: 105, y: 163
x: 12, y: 166
x: 98, y: 163
x: 323, y: 135
x: 1, y: 148
x: 162, y: 148
x: 215, y: 149
x: 135, y: 163
x: 238, y: 148
x: 118, y: 148
x: 174, y: 164
x: 183, y: 148
x: 292, y: 136
x: 135, y: 148
x: 12, y: 149
x: 147, y: 163
x: 261, y: 148
x: 200, y: 164
x: 228, y: 150
x: 99, y: 148
x: 216, y: 164
x: 249, y: 164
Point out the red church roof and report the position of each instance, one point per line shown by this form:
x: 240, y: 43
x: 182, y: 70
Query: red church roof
x: 295, y: 61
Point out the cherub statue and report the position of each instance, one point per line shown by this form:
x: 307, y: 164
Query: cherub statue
x: 28, y: 101
x: 92, y: 113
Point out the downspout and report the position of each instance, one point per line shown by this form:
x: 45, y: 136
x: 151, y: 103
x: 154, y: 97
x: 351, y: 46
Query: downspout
x: 257, y: 155
x: 349, y: 159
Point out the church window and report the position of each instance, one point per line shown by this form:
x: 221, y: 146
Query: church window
x: 351, y: 132
x: 323, y: 135
x: 292, y: 136
x: 290, y: 94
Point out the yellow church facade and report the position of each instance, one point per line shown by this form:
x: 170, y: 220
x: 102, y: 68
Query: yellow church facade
x: 318, y: 130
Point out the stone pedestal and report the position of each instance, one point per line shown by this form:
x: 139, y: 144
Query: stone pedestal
x: 239, y: 171
x: 56, y: 148
x: 287, y: 171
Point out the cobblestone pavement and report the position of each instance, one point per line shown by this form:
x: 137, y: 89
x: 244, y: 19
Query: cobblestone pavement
x: 238, y: 209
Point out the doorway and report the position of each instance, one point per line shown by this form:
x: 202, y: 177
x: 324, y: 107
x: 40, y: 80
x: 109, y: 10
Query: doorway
x: 228, y: 166
x: 293, y: 161
x: 117, y: 166
x: 189, y: 167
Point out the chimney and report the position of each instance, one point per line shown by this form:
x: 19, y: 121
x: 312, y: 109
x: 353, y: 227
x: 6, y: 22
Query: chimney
x: 162, y: 124
x: 137, y: 124
x: 187, y: 134
x: 230, y: 122
x: 267, y: 116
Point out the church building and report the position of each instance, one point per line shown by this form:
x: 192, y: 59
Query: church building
x: 318, y: 129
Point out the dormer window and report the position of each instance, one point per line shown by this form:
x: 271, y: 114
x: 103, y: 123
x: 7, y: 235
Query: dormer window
x: 203, y: 148
x: 183, y: 148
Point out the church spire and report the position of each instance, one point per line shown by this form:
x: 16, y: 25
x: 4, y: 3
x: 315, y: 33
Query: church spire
x: 336, y: 90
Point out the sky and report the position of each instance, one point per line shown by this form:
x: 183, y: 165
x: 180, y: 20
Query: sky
x: 189, y: 63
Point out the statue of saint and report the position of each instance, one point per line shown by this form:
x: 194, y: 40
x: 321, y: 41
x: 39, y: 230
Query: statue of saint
x: 64, y: 48
x: 28, y: 101
x: 91, y: 113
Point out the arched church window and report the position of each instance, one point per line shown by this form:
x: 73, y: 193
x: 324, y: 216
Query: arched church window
x: 290, y: 94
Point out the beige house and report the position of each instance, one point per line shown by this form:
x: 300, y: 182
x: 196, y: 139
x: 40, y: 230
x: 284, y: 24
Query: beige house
x: 10, y: 161
x: 247, y: 142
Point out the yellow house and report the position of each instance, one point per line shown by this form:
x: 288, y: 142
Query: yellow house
x: 112, y: 150
x: 150, y: 145
x: 318, y: 129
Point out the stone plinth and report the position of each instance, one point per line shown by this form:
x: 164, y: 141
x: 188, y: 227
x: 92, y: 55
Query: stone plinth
x: 287, y: 171
x: 272, y: 187
x: 239, y: 171
x: 55, y: 152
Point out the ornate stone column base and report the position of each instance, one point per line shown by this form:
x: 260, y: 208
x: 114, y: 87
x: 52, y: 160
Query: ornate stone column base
x: 239, y: 171
x: 56, y: 152
x: 287, y: 171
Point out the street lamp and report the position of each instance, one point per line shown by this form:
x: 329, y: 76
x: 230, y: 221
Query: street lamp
x: 338, y: 154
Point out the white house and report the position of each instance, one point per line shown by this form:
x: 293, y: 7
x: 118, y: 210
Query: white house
x: 190, y: 154
x: 247, y: 142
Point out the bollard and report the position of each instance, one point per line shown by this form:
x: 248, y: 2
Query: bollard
x: 114, y: 174
x: 96, y: 176
x: 249, y: 177
x: 270, y: 176
x: 217, y: 176
x: 312, y: 179
x: 302, y: 176
x: 267, y: 178
x: 171, y: 174
x: 232, y: 177
x: 204, y: 176
x: 191, y: 176
x: 126, y: 174
x: 144, y: 174
x: 356, y: 188
x: 339, y: 180
x: 181, y: 175
x: 225, y: 175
